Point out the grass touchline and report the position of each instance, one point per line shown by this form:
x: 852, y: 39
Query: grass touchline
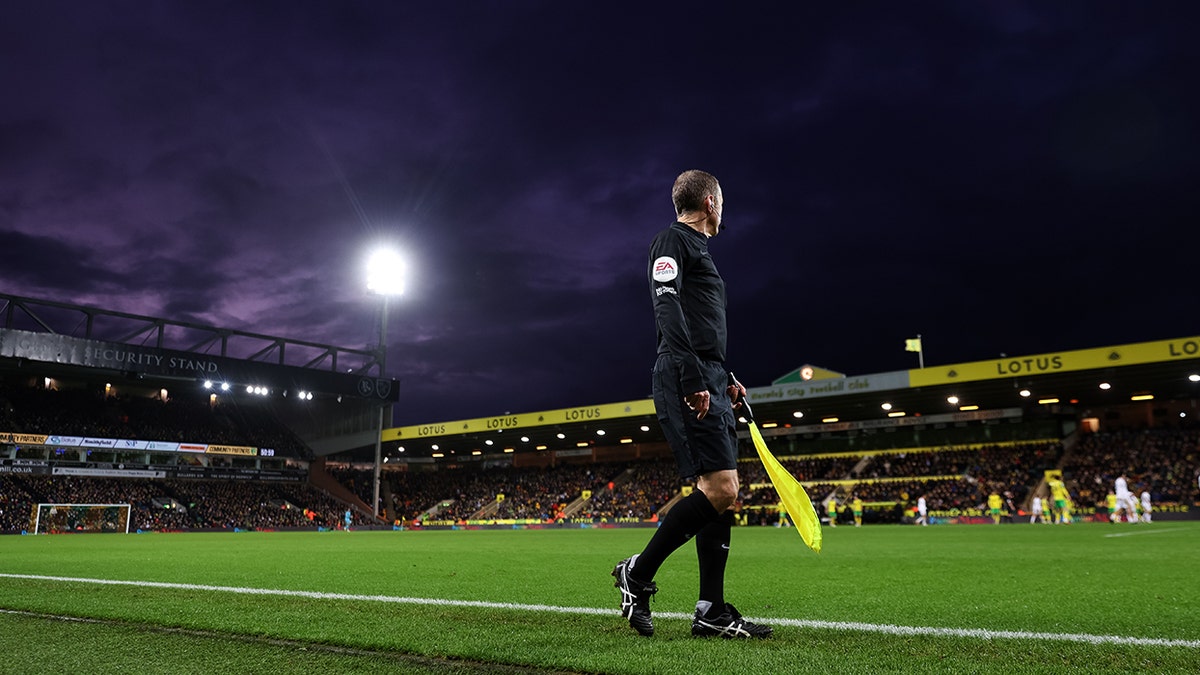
x: 798, y: 623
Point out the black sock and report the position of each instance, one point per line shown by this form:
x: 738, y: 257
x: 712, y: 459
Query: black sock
x: 681, y: 523
x: 712, y: 550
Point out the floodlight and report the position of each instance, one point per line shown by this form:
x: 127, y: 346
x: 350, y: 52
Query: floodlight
x: 385, y: 272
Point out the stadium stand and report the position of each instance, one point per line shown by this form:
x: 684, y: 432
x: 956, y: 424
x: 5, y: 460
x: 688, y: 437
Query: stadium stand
x: 953, y: 479
x: 880, y: 470
x: 91, y: 411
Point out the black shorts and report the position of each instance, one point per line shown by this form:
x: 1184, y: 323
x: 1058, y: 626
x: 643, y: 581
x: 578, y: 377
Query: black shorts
x: 700, y: 446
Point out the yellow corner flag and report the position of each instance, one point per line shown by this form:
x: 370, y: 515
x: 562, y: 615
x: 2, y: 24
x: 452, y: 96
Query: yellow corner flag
x: 790, y: 491
x: 912, y: 344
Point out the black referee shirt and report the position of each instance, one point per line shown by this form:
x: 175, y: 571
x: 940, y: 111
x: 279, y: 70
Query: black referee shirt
x: 689, y: 301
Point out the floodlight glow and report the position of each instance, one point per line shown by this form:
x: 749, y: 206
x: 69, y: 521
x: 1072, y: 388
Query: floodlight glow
x: 886, y: 406
x: 224, y: 386
x: 798, y: 414
x: 434, y: 446
x: 249, y: 389
x: 599, y: 432
x: 208, y: 384
x: 524, y: 439
x: 1025, y: 393
x: 561, y: 436
x: 385, y: 272
x: 1105, y: 386
x: 646, y: 428
x: 952, y: 400
x: 1194, y: 377
x: 488, y: 442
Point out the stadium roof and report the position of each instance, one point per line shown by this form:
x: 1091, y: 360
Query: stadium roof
x: 1058, y: 382
x: 65, y: 336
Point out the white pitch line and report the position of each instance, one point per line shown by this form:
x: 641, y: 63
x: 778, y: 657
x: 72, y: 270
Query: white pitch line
x: 889, y: 629
x: 1126, y: 534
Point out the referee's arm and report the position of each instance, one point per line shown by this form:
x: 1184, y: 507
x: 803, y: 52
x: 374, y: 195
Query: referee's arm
x: 666, y: 293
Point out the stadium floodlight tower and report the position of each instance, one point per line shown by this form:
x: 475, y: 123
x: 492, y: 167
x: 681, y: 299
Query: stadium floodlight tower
x: 385, y: 278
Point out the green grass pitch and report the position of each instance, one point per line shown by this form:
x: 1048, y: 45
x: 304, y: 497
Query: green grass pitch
x: 1032, y: 594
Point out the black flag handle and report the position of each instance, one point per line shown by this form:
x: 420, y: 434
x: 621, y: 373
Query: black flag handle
x: 746, y: 411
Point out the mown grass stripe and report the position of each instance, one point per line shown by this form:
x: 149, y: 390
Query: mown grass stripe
x: 975, y: 633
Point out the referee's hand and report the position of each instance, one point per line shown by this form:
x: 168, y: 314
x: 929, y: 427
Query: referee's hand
x: 736, y: 391
x: 698, y: 402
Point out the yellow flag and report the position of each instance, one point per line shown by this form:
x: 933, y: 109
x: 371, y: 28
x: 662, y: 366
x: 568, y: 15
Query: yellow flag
x: 912, y: 345
x: 791, y: 493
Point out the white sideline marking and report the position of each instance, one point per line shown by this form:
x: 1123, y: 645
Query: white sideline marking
x: 798, y: 623
x: 1126, y: 534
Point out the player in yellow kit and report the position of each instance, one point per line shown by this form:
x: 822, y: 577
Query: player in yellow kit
x: 1062, y: 501
x: 856, y: 507
x: 994, y: 503
x: 1110, y: 501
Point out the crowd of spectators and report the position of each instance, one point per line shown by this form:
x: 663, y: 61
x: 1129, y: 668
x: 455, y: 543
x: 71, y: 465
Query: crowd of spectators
x: 15, y: 505
x: 1162, y: 462
x: 635, y: 494
x: 637, y: 490
x: 176, y: 505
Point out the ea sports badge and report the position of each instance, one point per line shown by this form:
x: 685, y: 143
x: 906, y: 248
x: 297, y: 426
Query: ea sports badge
x: 665, y: 269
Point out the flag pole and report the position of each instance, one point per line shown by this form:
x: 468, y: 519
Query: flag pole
x: 920, y: 351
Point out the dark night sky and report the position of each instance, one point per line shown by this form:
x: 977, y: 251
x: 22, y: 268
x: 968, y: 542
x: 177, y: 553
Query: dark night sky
x: 1001, y: 177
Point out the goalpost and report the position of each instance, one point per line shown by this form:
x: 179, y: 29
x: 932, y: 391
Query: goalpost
x: 57, y: 518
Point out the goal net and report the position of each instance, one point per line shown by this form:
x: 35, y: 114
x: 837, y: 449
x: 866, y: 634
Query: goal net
x: 59, y: 518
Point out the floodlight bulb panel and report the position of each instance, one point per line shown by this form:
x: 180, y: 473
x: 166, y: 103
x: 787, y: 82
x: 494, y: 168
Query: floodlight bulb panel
x: 385, y: 272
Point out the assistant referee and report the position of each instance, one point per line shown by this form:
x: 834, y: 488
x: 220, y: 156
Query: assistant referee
x: 695, y: 398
